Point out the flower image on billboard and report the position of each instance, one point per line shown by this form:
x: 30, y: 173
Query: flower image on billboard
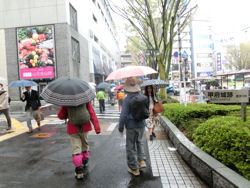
x: 36, y: 52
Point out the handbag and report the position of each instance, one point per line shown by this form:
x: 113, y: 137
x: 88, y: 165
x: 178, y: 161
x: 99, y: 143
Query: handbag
x: 39, y: 115
x: 158, y: 108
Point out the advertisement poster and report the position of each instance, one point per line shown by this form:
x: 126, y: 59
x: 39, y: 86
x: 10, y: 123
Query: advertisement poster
x: 36, y: 52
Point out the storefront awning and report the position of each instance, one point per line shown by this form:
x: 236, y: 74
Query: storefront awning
x: 105, y: 65
x: 98, y: 68
x: 106, y: 69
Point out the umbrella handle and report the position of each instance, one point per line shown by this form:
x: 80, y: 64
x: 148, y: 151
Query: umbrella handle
x: 65, y: 121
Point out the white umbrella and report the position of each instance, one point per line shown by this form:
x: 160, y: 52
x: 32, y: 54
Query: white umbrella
x: 130, y: 71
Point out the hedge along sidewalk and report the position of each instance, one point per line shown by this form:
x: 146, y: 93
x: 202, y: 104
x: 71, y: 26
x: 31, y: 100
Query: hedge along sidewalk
x: 213, y: 172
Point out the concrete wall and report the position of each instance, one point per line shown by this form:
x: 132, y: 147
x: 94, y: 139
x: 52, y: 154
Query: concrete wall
x: 65, y: 65
x: 62, y: 50
x: 3, y: 67
x: 12, y: 61
x: 210, y: 170
x: 19, y: 13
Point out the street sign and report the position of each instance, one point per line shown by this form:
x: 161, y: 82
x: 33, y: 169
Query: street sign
x: 176, y: 54
x: 219, y: 66
x: 184, y: 54
x: 227, y: 96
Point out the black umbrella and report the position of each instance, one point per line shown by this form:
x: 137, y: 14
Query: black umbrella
x: 155, y: 83
x: 67, y: 91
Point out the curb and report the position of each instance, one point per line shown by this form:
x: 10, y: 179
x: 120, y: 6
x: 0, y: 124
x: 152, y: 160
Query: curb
x: 210, y: 170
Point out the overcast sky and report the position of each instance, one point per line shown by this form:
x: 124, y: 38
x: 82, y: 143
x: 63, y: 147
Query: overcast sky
x: 225, y: 15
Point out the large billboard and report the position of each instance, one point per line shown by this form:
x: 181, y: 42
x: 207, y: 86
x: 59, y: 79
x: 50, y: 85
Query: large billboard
x: 36, y: 52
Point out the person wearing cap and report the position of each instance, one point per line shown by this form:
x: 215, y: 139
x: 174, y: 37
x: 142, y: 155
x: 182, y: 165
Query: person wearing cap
x: 134, y: 130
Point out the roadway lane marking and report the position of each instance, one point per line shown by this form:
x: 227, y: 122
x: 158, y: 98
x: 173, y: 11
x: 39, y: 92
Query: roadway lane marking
x: 17, y: 129
x: 42, y: 135
x: 20, y: 128
x: 111, y: 127
x: 53, y: 115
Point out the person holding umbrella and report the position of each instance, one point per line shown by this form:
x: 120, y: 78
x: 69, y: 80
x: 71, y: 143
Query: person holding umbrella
x: 74, y: 96
x: 151, y: 87
x: 134, y: 127
x: 151, y: 121
x: 32, y: 107
x: 101, y: 98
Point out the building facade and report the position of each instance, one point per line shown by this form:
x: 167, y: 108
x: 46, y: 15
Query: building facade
x: 128, y: 58
x: 44, y: 40
x: 202, y: 49
x: 185, y: 66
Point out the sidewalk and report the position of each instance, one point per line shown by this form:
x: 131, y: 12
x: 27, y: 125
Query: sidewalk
x: 167, y: 163
x: 108, y: 159
x: 30, y: 160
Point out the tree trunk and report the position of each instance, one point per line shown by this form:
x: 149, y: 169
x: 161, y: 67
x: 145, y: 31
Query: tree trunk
x: 162, y: 77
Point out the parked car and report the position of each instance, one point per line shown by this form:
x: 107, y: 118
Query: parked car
x: 170, y: 89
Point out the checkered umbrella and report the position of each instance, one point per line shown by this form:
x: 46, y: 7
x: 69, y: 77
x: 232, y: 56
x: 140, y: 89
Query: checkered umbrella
x: 67, y: 91
x: 155, y: 83
x: 130, y: 71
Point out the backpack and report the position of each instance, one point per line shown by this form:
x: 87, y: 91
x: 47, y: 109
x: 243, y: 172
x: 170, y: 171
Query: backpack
x: 120, y: 96
x: 139, y: 107
x: 79, y: 115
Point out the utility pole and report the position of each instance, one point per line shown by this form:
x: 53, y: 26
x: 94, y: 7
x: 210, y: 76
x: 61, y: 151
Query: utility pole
x: 179, y: 44
x: 181, y: 85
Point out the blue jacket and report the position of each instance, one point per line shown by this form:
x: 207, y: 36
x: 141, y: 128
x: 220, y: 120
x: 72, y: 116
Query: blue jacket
x: 126, y: 117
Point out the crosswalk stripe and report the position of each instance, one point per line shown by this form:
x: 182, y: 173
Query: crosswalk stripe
x: 111, y: 112
x: 112, y: 127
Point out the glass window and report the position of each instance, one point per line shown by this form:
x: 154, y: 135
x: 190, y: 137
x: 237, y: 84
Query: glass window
x: 94, y: 18
x: 75, y: 50
x: 73, y: 17
x: 96, y: 39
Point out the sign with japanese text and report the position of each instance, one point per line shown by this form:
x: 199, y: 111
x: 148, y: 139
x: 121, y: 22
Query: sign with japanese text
x: 227, y: 96
x: 36, y: 52
x: 219, y: 66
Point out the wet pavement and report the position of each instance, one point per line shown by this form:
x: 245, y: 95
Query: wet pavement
x: 43, y: 159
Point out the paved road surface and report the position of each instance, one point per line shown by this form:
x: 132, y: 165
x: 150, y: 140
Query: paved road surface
x: 43, y: 159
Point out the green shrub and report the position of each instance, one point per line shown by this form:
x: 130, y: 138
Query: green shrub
x: 179, y: 114
x: 167, y: 99
x: 228, y: 140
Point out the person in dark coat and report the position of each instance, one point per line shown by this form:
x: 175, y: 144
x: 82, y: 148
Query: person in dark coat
x: 136, y: 158
x: 32, y: 107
